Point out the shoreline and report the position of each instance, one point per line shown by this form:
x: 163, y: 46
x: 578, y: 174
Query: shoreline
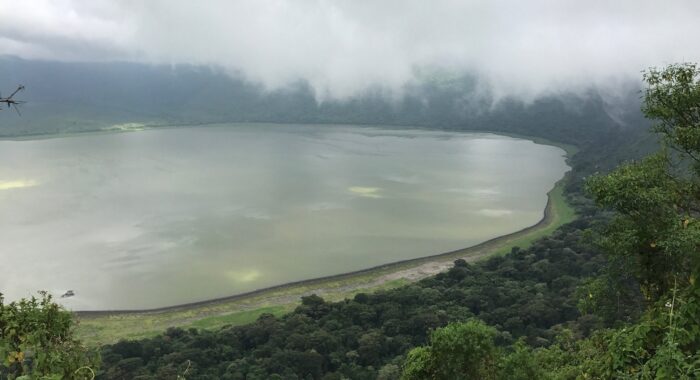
x: 570, y: 150
x: 104, y: 327
x: 391, y: 267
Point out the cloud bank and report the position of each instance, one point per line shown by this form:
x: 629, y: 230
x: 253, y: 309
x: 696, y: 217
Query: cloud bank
x: 344, y: 47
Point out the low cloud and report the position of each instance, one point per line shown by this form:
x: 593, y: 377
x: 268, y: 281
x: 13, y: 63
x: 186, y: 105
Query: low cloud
x: 345, y: 47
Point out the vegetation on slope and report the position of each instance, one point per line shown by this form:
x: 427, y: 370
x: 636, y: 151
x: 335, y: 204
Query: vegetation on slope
x: 525, y: 293
x: 37, y: 341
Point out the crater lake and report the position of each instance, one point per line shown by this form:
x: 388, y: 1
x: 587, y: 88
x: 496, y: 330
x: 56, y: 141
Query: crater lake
x: 170, y: 216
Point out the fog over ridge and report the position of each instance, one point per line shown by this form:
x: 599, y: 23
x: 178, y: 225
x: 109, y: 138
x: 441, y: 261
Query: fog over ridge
x: 343, y: 48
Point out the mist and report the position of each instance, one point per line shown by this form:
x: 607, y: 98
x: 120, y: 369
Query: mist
x: 517, y: 48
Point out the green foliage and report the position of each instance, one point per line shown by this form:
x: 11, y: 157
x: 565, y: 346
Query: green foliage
x: 458, y: 351
x: 389, y: 372
x: 520, y: 364
x: 657, y: 202
x: 653, y: 231
x: 613, y: 296
x: 672, y: 99
x: 467, y: 351
x: 663, y: 345
x: 36, y: 341
x: 420, y: 364
x: 573, y: 358
x: 657, y: 235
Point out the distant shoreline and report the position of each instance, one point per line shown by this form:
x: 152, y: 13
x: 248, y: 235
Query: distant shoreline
x: 568, y: 148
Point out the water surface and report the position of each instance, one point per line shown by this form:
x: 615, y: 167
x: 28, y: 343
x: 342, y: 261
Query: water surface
x: 163, y: 217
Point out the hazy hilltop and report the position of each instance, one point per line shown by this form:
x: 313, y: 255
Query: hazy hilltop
x: 70, y: 97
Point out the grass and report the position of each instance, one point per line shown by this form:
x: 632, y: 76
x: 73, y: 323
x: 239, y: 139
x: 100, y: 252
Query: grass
x: 111, y: 328
x: 236, y: 319
x: 104, y: 328
x: 108, y: 328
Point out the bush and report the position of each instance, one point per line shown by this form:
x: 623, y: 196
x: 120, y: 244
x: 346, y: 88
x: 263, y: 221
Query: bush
x: 37, y: 341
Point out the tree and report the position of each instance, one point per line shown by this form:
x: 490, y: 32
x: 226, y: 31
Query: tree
x: 649, y: 203
x: 37, y: 341
x: 520, y: 364
x: 457, y: 351
x: 657, y: 199
x: 672, y: 98
x: 389, y: 372
x: 657, y: 233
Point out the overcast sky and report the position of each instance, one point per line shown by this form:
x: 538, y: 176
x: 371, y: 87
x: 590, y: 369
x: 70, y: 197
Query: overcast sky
x: 341, y: 47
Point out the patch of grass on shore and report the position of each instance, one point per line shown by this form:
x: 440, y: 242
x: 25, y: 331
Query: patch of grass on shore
x: 111, y: 328
x: 240, y: 318
x: 106, y: 329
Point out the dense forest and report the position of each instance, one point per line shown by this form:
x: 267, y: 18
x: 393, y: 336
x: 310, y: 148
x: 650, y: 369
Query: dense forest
x: 524, y: 294
x: 611, y: 295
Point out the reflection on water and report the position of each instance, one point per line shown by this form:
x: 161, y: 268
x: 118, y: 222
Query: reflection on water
x: 161, y: 217
x: 16, y: 184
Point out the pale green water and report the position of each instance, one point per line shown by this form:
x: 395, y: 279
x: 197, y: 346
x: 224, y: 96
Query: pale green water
x: 162, y: 217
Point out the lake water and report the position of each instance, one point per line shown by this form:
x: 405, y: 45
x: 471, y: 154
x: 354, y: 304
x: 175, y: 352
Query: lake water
x: 169, y: 216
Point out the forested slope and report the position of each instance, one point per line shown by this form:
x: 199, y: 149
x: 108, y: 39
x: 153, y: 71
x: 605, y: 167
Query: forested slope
x: 525, y: 294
